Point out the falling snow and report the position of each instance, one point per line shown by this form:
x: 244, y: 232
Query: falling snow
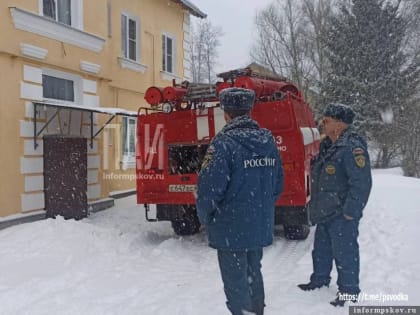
x: 115, y: 262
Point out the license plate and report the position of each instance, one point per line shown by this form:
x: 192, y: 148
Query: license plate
x: 182, y: 188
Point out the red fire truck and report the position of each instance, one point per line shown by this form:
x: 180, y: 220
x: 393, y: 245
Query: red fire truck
x: 174, y: 133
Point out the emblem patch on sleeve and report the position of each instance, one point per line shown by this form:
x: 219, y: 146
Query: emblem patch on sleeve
x: 360, y: 160
x: 330, y: 169
x: 358, y: 151
x: 208, y: 157
x: 359, y: 157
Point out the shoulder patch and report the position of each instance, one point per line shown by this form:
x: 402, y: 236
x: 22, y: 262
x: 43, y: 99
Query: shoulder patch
x: 358, y: 151
x: 360, y: 160
x: 208, y: 157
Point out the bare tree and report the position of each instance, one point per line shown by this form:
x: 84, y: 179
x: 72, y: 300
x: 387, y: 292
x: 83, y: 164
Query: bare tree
x: 205, y: 41
x: 317, y: 14
x: 290, y: 42
x: 196, y: 51
x: 280, y: 43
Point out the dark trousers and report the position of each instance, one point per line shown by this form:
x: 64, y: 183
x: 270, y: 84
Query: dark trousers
x: 336, y: 240
x: 242, y: 280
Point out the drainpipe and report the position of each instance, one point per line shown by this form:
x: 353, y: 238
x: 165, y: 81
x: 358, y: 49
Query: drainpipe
x: 153, y: 57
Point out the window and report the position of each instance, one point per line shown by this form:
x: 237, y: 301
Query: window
x: 67, y: 12
x: 129, y: 37
x: 61, y: 86
x: 57, y: 88
x: 129, y: 139
x: 59, y: 10
x: 168, y: 53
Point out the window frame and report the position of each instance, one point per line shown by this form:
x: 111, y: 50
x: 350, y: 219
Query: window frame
x: 76, y: 13
x: 172, y: 37
x: 56, y: 15
x: 126, y: 54
x: 129, y: 157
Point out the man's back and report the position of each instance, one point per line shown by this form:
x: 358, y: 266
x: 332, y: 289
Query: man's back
x: 238, y: 185
x: 240, y: 179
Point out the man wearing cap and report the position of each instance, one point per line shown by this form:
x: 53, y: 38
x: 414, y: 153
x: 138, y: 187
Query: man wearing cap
x: 239, y: 182
x: 341, y: 184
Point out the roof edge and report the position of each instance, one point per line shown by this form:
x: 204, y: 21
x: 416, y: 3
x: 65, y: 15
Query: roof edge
x: 193, y: 9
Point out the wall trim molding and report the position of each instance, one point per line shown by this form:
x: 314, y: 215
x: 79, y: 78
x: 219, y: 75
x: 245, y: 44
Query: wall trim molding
x: 37, y: 24
x: 132, y: 65
x: 90, y: 67
x: 33, y: 51
x: 169, y: 76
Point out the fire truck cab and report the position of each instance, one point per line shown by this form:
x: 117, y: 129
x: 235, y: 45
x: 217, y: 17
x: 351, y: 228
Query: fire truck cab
x: 174, y: 133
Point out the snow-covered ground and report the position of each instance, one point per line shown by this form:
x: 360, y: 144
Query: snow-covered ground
x: 115, y: 262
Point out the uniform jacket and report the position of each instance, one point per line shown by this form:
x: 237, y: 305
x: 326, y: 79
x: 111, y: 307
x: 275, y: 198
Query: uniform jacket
x: 341, y: 178
x: 238, y: 185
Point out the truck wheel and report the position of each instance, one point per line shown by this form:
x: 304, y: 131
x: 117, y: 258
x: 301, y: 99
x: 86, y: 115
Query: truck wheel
x: 296, y: 232
x: 188, y: 225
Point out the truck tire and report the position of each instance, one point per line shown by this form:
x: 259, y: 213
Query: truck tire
x: 296, y: 232
x: 188, y: 225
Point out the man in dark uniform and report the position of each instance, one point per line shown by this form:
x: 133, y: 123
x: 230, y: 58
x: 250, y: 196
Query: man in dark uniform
x: 239, y: 182
x: 341, y: 184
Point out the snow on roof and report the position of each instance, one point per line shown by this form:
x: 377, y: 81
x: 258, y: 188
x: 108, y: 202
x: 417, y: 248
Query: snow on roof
x: 102, y: 110
x: 194, y: 10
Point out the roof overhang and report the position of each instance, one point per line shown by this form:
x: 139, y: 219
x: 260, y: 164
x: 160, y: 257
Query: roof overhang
x: 111, y: 111
x: 191, y: 8
x: 100, y: 110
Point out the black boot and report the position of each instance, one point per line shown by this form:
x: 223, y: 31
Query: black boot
x: 311, y: 286
x: 343, y: 297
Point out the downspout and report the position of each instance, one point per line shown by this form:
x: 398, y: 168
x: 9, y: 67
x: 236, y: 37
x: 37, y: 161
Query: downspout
x: 153, y: 57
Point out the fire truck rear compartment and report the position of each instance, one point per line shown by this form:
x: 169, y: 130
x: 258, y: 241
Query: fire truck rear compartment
x: 185, y: 159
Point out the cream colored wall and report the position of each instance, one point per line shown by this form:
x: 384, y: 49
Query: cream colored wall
x: 11, y: 181
x: 127, y: 88
x: 67, y: 57
x: 116, y: 87
x: 156, y: 17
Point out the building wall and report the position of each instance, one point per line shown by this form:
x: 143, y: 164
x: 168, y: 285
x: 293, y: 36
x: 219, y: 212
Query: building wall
x: 11, y: 180
x: 105, y: 81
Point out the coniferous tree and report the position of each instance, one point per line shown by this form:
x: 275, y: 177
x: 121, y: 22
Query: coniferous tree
x: 369, y: 69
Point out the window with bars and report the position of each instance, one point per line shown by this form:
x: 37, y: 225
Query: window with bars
x: 129, y: 37
x: 168, y: 53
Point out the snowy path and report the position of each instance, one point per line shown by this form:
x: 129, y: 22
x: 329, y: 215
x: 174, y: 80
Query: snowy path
x: 116, y: 263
